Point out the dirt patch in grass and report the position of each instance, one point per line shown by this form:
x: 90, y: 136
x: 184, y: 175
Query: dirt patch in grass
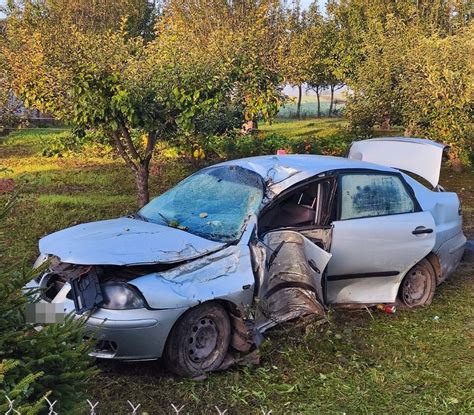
x: 7, y: 185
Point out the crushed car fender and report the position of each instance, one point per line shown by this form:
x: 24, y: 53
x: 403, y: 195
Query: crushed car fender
x: 221, y: 275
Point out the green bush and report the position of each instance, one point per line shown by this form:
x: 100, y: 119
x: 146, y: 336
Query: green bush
x: 59, y: 145
x: 438, y: 92
x: 236, y: 145
x: 71, y: 143
x: 9, y: 122
x: 229, y: 145
x: 220, y: 121
x: 362, y: 115
x: 420, y: 80
x: 38, y: 361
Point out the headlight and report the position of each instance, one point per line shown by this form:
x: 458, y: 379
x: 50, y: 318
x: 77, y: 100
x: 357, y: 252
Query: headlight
x: 121, y: 296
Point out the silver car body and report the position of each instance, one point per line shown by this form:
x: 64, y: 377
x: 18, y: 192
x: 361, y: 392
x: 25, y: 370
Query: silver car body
x: 359, y: 261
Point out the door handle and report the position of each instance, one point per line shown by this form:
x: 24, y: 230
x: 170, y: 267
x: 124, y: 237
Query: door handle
x: 313, y: 265
x: 419, y: 230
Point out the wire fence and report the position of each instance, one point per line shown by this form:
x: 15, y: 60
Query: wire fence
x: 130, y: 408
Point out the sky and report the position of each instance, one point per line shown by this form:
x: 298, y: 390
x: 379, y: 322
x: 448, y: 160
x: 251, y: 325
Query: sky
x: 304, y: 3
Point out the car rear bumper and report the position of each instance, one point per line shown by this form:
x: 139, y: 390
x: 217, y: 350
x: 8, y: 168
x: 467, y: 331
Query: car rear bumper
x: 450, y: 254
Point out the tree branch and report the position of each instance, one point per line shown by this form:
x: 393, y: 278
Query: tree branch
x: 122, y: 152
x: 128, y: 141
x: 150, y: 145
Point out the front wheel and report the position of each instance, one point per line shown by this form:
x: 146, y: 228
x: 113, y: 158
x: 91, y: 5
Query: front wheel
x: 198, y: 341
x: 418, y: 286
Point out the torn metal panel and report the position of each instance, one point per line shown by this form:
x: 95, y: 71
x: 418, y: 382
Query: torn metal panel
x: 125, y: 241
x: 241, y: 339
x: 416, y: 155
x: 292, y: 284
x: 321, y: 237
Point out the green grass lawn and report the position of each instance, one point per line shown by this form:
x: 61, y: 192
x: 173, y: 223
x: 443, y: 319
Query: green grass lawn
x: 361, y: 362
x: 309, y: 106
x: 321, y: 127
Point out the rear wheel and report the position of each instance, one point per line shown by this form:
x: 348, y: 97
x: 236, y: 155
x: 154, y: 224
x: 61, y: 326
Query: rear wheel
x: 199, y: 341
x: 418, y: 286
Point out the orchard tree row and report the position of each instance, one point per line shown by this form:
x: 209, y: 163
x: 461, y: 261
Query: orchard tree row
x: 140, y: 72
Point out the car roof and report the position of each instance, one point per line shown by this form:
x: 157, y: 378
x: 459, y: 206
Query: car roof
x: 283, y: 171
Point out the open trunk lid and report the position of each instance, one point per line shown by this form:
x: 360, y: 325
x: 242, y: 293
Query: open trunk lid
x: 415, y: 155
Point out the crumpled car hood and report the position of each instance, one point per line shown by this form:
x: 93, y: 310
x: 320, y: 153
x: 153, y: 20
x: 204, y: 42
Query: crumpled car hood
x: 125, y: 241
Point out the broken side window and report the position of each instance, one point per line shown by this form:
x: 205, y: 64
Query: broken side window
x: 366, y: 195
x: 302, y: 207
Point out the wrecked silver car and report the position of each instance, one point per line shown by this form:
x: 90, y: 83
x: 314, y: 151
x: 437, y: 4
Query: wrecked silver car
x: 239, y: 247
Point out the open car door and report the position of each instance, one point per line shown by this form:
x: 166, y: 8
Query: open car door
x: 292, y: 279
x: 415, y: 155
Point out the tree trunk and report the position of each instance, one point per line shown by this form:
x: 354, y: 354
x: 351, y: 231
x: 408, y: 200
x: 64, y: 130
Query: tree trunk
x: 385, y: 122
x: 140, y: 165
x: 319, y: 102
x: 298, y: 106
x: 255, y: 124
x: 141, y: 177
x: 332, y: 100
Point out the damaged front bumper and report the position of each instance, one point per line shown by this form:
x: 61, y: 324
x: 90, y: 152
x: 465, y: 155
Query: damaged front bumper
x: 129, y: 335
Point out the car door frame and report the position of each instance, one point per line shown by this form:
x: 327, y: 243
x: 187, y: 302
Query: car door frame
x: 332, y: 175
x: 340, y: 173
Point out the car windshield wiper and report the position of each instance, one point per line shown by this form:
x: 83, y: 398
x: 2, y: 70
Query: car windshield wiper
x: 139, y: 217
x: 167, y: 221
x: 145, y: 219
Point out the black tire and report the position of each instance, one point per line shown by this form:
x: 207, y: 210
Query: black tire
x: 418, y: 287
x: 199, y: 341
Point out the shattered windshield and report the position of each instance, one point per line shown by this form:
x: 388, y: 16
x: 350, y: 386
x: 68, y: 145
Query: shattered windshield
x: 213, y: 203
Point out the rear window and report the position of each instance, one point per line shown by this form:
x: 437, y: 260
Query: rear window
x: 366, y: 195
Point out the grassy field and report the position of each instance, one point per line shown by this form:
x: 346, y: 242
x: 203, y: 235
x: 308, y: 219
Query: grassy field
x: 359, y: 363
x: 309, y: 106
x: 305, y: 128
